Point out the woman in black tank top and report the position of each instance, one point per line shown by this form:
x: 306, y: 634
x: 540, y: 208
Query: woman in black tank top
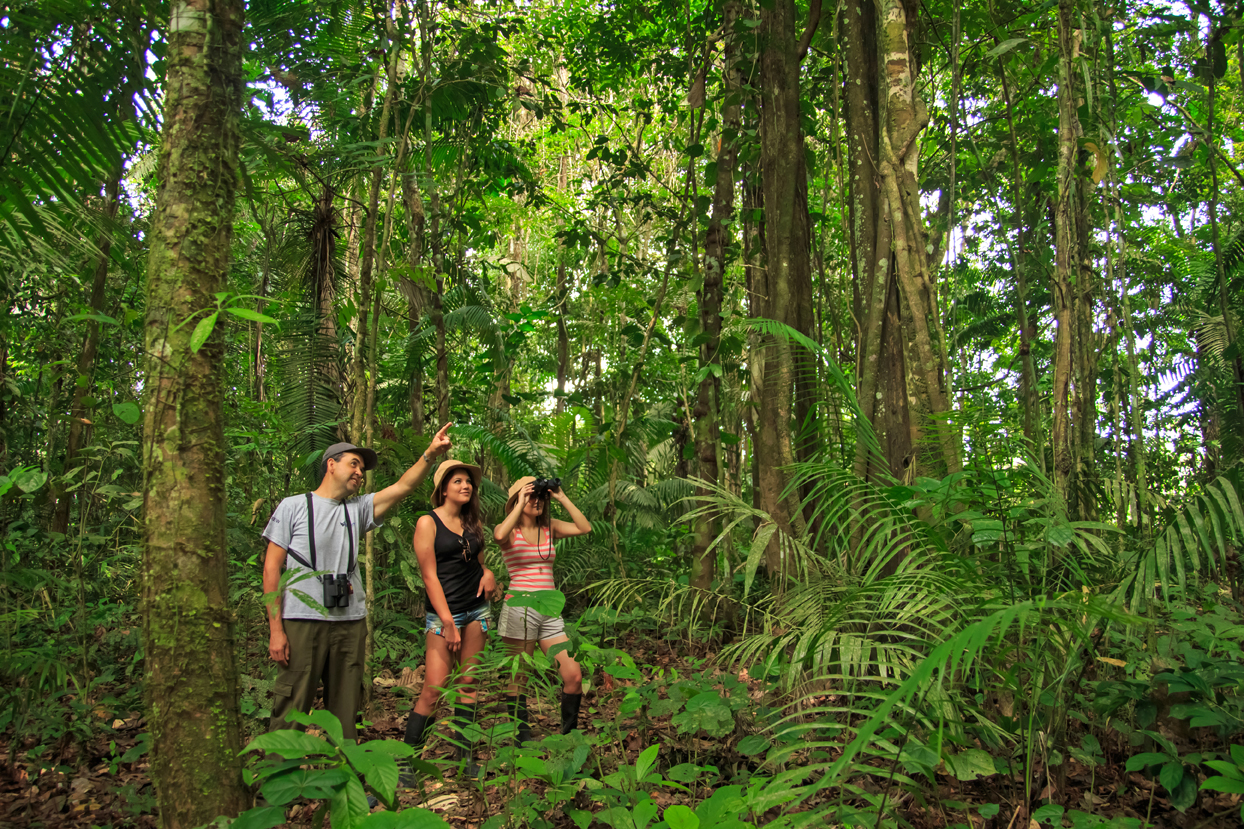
x: 449, y: 544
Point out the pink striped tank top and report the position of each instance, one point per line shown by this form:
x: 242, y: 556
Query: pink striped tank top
x: 530, y: 565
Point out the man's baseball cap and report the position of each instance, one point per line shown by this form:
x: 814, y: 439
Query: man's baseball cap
x: 368, y: 455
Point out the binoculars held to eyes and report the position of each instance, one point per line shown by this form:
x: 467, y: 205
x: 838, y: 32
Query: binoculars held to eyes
x: 543, y: 487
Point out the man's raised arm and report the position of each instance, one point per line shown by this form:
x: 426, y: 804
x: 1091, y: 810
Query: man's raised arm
x: 391, y: 495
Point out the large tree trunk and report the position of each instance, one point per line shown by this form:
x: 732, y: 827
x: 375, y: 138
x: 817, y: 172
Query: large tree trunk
x: 881, y: 364
x: 905, y: 118
x: 191, y: 676
x: 1066, y: 253
x: 707, y: 410
x: 786, y: 281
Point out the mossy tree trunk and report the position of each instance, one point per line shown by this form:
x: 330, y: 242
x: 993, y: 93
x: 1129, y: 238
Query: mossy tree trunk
x: 191, y: 676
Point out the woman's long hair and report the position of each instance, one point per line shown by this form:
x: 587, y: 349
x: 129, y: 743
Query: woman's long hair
x: 472, y: 513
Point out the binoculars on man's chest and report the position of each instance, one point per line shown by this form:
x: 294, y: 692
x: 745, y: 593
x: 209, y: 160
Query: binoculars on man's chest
x: 337, y: 590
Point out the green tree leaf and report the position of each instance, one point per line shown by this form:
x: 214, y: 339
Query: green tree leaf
x: 707, y: 712
x: 290, y: 743
x: 253, y: 316
x: 546, y: 602
x: 127, y: 412
x: 202, y: 331
x: 681, y: 817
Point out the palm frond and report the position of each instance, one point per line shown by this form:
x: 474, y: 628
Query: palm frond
x: 1195, y: 545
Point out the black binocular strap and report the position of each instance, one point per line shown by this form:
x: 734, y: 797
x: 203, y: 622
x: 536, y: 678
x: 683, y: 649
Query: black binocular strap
x: 311, y: 534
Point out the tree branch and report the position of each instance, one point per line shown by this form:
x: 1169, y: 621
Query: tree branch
x: 814, y: 20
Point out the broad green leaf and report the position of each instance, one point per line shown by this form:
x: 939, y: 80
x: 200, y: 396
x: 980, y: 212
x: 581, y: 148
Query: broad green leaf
x: 262, y: 817
x: 647, y: 758
x: 413, y: 817
x: 1050, y: 813
x: 127, y: 412
x: 383, y: 774
x: 707, y: 712
x: 970, y: 764
x: 1224, y: 784
x: 1142, y: 761
x: 202, y: 331
x: 253, y: 316
x: 1171, y: 775
x: 101, y: 318
x: 1005, y: 46
x: 681, y: 817
x: 290, y: 743
x: 321, y: 719
x: 753, y: 744
x: 1184, y: 793
x: 314, y: 784
x: 546, y: 602
x: 30, y: 480
x: 349, y: 804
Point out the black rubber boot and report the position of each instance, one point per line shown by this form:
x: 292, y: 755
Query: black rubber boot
x: 417, y: 726
x: 517, y: 706
x: 464, y: 715
x: 416, y: 729
x: 570, y: 711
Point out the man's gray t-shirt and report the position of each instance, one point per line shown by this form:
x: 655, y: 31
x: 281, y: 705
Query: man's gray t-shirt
x: 287, y: 528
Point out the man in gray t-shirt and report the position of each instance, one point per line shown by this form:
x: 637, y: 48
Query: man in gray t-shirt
x: 312, y: 642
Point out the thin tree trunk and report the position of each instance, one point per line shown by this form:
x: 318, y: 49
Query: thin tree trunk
x: 1066, y: 253
x: 1224, y: 303
x: 369, y: 237
x: 191, y: 676
x: 435, y: 245
x: 1030, y: 401
x: 79, y: 431
x: 563, y: 299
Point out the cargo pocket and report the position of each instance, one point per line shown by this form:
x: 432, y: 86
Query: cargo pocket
x: 284, y: 691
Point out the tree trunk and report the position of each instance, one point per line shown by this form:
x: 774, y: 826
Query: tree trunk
x: 905, y: 118
x: 563, y: 299
x: 707, y: 409
x: 881, y: 364
x: 1030, y: 402
x: 369, y: 241
x: 418, y: 297
x: 191, y: 676
x: 79, y: 431
x: 784, y: 290
x: 1066, y: 253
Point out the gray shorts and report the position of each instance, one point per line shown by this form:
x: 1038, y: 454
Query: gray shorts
x: 525, y: 623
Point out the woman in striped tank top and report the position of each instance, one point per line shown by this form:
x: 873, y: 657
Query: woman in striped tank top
x: 526, y: 540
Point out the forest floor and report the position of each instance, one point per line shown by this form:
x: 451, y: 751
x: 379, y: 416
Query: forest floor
x: 69, y: 785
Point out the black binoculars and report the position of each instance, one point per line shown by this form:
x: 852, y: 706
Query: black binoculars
x: 336, y: 590
x: 543, y: 486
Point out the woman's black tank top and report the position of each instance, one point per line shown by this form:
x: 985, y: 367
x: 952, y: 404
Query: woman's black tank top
x: 459, y: 574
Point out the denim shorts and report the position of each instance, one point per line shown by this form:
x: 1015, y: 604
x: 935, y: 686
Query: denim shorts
x: 480, y: 614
